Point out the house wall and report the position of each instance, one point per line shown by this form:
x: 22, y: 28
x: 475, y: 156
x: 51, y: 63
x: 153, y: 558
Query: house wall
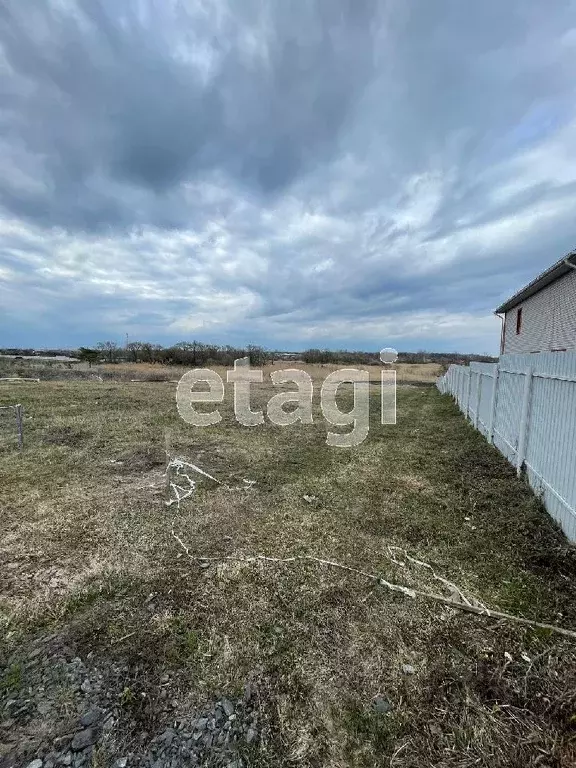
x: 548, y: 319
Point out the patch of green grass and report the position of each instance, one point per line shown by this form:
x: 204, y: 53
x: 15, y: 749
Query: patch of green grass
x: 12, y: 679
x: 94, y: 592
x: 184, y: 644
x: 127, y: 697
x: 366, y: 727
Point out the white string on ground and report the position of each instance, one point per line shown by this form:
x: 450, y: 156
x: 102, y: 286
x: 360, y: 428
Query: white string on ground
x: 462, y: 603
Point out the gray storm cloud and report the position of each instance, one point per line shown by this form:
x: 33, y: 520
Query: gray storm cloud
x: 308, y: 172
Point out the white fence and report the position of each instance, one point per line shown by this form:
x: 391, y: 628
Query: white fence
x: 526, y: 406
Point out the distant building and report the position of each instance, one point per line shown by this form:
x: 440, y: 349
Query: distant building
x: 296, y: 356
x: 542, y: 316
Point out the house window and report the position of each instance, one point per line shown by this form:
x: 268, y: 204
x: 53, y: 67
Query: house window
x: 518, y: 320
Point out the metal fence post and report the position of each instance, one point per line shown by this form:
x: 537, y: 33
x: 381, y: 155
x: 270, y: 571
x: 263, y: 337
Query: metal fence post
x: 524, y: 418
x: 19, y: 423
x: 493, y: 404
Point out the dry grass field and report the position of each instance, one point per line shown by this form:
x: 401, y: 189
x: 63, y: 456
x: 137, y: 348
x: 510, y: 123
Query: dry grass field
x: 423, y: 373
x: 126, y: 623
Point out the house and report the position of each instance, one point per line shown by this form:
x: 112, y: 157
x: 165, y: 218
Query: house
x: 542, y: 316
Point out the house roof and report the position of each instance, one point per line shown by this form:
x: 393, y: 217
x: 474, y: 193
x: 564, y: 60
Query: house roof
x: 560, y: 268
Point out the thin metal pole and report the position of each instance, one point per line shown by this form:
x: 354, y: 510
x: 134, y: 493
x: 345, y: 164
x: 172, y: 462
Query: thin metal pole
x: 19, y: 423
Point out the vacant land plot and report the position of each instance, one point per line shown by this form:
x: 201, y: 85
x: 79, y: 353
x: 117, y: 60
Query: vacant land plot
x: 405, y: 372
x: 152, y: 635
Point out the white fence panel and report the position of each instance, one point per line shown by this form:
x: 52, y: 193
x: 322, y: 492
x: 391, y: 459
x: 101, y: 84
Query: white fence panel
x: 485, y: 407
x: 508, y: 411
x: 526, y: 406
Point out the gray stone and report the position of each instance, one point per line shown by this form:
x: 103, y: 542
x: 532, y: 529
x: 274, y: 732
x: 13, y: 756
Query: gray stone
x: 66, y: 759
x: 121, y: 762
x: 251, y: 735
x: 84, y: 739
x: 91, y: 717
x: 228, y: 707
x: 201, y: 723
x: 167, y: 737
x: 408, y: 669
x: 108, y: 724
x: 86, y: 686
x: 62, y: 741
x: 381, y: 705
x: 35, y: 764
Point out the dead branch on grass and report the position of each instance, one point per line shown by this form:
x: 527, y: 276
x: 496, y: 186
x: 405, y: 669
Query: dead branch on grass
x: 456, y: 593
x: 461, y: 603
x: 18, y: 378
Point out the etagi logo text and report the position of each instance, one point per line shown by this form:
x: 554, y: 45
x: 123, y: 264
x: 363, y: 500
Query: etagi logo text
x: 300, y: 400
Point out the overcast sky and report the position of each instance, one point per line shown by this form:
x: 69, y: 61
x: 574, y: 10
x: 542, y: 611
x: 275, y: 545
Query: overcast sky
x: 357, y: 173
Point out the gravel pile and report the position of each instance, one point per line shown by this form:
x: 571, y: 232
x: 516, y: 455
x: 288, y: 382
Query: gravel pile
x: 58, y: 710
x: 216, y: 737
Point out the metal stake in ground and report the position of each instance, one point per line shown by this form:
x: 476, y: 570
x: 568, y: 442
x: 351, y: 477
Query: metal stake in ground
x: 19, y: 412
x: 20, y: 425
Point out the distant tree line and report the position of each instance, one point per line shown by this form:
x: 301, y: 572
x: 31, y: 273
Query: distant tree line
x: 196, y: 354
x: 340, y: 357
x: 193, y: 354
x: 343, y: 356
